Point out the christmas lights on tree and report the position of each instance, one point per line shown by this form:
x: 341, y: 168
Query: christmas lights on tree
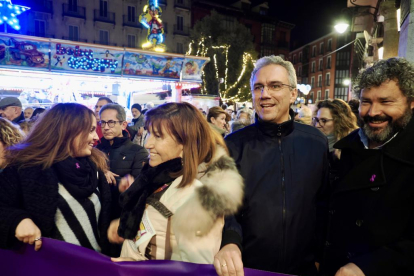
x: 9, y: 13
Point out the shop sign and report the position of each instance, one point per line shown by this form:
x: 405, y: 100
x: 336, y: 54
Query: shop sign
x: 16, y: 52
x: 145, y: 65
x: 192, y: 69
x: 78, y: 58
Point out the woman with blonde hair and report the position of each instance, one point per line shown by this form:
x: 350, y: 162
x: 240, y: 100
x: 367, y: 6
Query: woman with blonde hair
x: 175, y: 209
x: 218, y: 119
x: 54, y: 185
x: 9, y: 135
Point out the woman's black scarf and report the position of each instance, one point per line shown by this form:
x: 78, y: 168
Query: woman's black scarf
x: 78, y: 176
x: 134, y: 199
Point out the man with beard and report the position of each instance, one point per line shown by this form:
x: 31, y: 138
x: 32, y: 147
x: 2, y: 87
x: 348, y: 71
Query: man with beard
x: 371, y: 211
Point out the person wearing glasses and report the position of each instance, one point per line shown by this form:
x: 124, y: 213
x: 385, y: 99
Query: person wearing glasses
x: 54, y: 186
x: 285, y: 167
x: 11, y: 109
x: 335, y: 119
x: 125, y: 158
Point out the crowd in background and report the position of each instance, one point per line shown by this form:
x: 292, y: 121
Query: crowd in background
x: 264, y: 187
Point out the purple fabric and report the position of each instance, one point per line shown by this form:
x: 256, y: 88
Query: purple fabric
x: 64, y: 259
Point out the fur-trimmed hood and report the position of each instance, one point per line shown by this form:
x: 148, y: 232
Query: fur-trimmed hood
x: 220, y: 194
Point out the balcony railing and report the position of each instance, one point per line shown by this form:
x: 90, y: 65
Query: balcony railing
x: 321, y: 51
x: 104, y: 43
x: 328, y: 66
x: 320, y: 68
x: 73, y: 11
x: 182, y: 4
x: 40, y: 34
x: 319, y: 83
x: 108, y: 17
x: 74, y: 39
x: 44, y: 6
x: 328, y: 82
x: 132, y: 22
x: 181, y: 30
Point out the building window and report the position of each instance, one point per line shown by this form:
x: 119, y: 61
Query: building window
x: 343, y: 59
x: 268, y: 33
x: 132, y: 41
x: 321, y: 49
x: 328, y: 79
x: 328, y: 63
x: 180, y: 48
x: 341, y: 93
x: 131, y: 14
x: 180, y: 23
x: 319, y: 95
x: 300, y: 71
x: 300, y: 57
x: 321, y: 65
x: 326, y: 94
x: 320, y: 81
x: 294, y: 59
x: 104, y: 37
x: 330, y: 45
x: 40, y: 28
x: 340, y: 75
x: 313, y: 67
x: 313, y: 82
x: 311, y: 96
x: 314, y: 51
x: 74, y: 33
x: 73, y: 5
x: 103, y: 8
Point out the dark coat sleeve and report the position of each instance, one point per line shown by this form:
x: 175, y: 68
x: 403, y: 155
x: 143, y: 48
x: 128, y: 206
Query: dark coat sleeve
x: 396, y: 258
x: 141, y: 156
x: 232, y: 230
x: 11, y: 211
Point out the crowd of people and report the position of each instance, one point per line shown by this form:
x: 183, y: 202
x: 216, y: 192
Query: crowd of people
x: 324, y: 191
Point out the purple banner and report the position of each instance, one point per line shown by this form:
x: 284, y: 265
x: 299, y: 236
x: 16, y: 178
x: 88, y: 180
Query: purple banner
x: 64, y: 259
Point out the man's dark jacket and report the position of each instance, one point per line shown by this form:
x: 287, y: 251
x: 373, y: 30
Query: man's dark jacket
x: 285, y: 168
x: 371, y: 211
x: 124, y: 158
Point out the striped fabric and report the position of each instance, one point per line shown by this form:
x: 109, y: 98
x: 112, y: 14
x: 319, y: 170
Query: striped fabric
x: 77, y: 220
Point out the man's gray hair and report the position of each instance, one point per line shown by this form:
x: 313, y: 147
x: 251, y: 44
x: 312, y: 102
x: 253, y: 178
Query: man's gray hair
x: 120, y: 116
x: 268, y: 60
x: 397, y: 69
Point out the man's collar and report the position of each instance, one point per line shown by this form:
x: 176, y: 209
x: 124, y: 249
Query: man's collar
x: 276, y: 130
x: 365, y: 140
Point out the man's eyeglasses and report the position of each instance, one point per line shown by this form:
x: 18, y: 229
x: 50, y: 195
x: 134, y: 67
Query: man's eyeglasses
x: 321, y: 121
x: 272, y: 87
x: 110, y: 123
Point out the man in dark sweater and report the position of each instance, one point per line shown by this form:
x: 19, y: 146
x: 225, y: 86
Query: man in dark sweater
x: 125, y: 158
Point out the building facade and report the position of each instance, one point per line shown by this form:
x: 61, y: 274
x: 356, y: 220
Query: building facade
x: 107, y: 22
x: 270, y: 36
x: 324, y: 64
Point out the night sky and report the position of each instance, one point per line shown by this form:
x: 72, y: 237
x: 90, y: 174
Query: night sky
x: 313, y: 18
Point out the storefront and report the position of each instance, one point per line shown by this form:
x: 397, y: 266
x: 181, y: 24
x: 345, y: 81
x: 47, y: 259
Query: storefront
x: 44, y: 71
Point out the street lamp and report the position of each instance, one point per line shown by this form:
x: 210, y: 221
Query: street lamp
x: 341, y: 27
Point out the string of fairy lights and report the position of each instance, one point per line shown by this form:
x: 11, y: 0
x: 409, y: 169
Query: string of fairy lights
x: 202, y: 50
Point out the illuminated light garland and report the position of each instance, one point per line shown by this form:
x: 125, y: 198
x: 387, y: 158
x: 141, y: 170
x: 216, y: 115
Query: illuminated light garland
x: 8, y: 13
x: 189, y: 48
x: 215, y: 64
x: 86, y: 61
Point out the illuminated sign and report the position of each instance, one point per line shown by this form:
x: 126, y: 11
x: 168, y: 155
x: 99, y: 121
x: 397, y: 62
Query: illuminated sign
x: 150, y: 19
x: 9, y: 13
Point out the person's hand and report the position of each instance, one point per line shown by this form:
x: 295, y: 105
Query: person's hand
x: 228, y: 261
x: 122, y: 259
x: 350, y: 269
x: 28, y: 232
x: 125, y: 182
x: 110, y: 177
x: 113, y: 236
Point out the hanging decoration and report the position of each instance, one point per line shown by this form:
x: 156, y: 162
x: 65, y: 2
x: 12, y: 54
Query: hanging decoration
x: 9, y: 13
x: 150, y: 19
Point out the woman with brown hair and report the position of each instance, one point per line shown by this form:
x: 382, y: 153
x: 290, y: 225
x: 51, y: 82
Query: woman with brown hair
x: 335, y: 119
x: 218, y: 119
x: 53, y: 185
x: 175, y: 209
x: 9, y: 135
